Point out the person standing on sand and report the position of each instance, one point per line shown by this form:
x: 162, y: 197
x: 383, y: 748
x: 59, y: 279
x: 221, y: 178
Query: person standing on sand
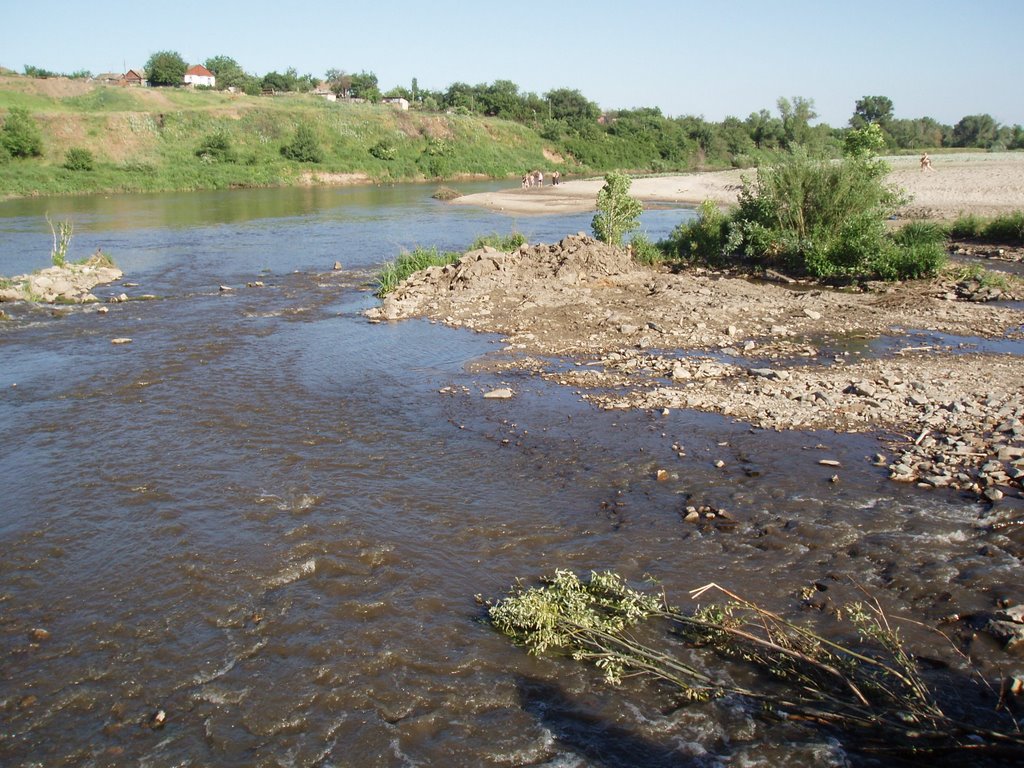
x: 926, y: 163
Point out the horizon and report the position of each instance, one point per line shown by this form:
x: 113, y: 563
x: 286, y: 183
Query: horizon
x: 732, y: 63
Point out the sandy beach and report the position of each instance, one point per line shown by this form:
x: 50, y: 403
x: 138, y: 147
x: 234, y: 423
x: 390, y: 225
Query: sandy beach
x: 981, y: 183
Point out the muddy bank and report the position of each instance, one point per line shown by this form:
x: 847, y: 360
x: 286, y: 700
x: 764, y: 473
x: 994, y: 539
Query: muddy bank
x: 776, y: 356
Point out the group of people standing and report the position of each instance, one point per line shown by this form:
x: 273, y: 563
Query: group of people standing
x: 536, y: 179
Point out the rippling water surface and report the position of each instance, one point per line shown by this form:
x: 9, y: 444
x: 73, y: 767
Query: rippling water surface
x: 268, y: 518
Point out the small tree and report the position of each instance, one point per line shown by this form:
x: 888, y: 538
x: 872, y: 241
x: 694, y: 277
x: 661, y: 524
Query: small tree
x: 20, y: 135
x: 304, y: 148
x: 617, y: 212
x: 166, y: 68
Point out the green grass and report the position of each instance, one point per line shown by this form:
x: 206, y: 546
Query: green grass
x: 146, y: 140
x: 504, y: 243
x: 394, y: 272
x: 1005, y: 229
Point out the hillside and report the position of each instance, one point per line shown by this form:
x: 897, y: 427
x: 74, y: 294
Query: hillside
x: 146, y: 139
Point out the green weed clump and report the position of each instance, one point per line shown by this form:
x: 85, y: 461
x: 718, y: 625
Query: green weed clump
x: 504, y: 243
x: 1005, y: 229
x: 394, y: 272
x: 79, y: 159
x: 645, y: 252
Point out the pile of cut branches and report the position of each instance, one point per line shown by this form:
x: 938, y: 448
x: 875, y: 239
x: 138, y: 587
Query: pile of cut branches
x: 874, y: 689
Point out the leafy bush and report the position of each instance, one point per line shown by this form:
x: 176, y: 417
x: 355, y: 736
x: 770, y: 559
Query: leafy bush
x: 967, y: 226
x: 505, y: 243
x: 917, y: 250
x: 79, y: 159
x: 815, y: 217
x: 704, y: 239
x: 394, y: 272
x: 645, y: 252
x: 20, y: 135
x: 304, y: 148
x: 1007, y: 228
x: 617, y: 212
x: 216, y: 147
x: 384, y: 149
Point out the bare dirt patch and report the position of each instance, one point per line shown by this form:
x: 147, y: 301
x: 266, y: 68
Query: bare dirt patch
x: 326, y: 178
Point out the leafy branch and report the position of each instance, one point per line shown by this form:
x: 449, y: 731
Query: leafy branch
x: 875, y: 689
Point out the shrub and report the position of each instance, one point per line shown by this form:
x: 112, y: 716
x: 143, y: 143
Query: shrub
x: 704, y: 239
x: 645, y: 252
x: 825, y: 219
x: 304, y: 148
x: 79, y: 159
x: 617, y: 212
x: 384, y: 149
x: 917, y: 250
x: 966, y: 225
x: 20, y: 135
x: 1006, y: 228
x: 216, y: 147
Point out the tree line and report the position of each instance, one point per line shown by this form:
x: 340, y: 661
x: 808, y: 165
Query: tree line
x: 641, y: 139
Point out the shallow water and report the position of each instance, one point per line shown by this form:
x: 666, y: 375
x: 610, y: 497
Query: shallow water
x: 269, y: 518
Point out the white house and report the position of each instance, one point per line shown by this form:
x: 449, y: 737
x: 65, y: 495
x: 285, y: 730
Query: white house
x: 199, y: 75
x: 399, y: 102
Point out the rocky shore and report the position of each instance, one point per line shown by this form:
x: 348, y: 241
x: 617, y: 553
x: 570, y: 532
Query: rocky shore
x: 68, y: 284
x: 903, y: 361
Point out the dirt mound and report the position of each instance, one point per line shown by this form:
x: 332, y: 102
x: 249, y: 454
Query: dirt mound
x: 530, y: 275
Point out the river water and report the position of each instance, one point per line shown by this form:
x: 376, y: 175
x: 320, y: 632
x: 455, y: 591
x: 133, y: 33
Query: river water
x: 268, y: 519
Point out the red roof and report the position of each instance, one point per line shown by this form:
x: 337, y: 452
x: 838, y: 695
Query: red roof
x: 199, y: 69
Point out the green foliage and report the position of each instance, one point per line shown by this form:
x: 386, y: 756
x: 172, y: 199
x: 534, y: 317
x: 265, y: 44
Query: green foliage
x: 504, y: 243
x: 385, y: 149
x: 617, y: 212
x: 705, y: 239
x: 166, y: 68
x: 975, y: 131
x: 228, y: 72
x: 394, y: 272
x: 917, y: 250
x: 216, y: 148
x: 304, y: 147
x: 645, y: 252
x: 79, y: 159
x: 1005, y: 229
x: 872, y: 110
x: 864, y: 142
x: 20, y: 135
x: 870, y: 687
x: 824, y: 219
x: 62, y: 232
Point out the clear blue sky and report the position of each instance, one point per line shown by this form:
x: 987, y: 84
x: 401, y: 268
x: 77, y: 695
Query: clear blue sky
x: 939, y: 59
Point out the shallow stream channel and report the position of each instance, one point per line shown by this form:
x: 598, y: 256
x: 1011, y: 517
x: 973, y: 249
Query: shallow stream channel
x: 262, y: 532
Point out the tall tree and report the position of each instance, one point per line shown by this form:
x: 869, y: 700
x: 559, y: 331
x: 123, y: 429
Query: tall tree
x: 975, y: 131
x: 796, y: 119
x: 872, y: 109
x: 166, y: 68
x: 571, y: 105
x: 228, y: 72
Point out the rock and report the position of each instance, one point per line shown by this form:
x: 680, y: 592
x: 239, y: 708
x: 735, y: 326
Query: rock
x: 102, y: 310
x: 661, y: 475
x: 829, y: 463
x: 337, y: 265
x: 121, y: 340
x: 719, y: 463
x: 225, y: 288
x: 157, y: 720
x: 812, y: 314
x: 39, y: 634
x: 503, y: 393
x: 680, y: 371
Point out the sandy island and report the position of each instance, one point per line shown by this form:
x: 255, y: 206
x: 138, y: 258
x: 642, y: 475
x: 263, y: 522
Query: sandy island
x: 982, y: 183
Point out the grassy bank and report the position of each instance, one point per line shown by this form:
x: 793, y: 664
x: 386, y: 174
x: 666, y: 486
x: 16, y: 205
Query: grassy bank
x: 146, y: 140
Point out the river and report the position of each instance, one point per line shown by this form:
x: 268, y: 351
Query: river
x: 267, y: 518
